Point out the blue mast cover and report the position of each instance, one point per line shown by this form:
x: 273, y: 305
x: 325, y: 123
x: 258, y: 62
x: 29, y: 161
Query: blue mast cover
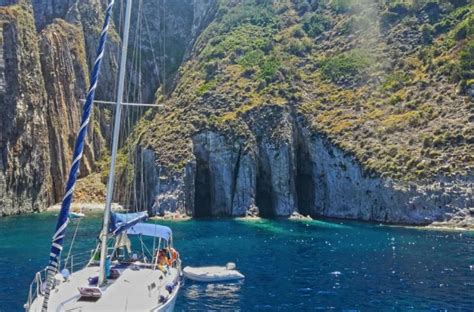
x: 58, y: 237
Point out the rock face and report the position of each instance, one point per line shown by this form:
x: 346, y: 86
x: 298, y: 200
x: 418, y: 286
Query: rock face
x: 342, y: 189
x: 48, y: 47
x: 47, y: 10
x: 275, y: 185
x: 224, y: 177
x: 66, y: 75
x: 154, y: 188
x: 163, y: 32
x: 293, y: 170
x: 24, y: 161
x: 280, y: 109
x: 43, y: 77
x: 220, y: 180
x: 89, y: 15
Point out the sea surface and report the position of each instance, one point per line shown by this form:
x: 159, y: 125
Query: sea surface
x: 289, y: 265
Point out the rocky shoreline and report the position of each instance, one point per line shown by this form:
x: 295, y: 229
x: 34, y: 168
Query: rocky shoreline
x: 86, y: 207
x: 455, y: 224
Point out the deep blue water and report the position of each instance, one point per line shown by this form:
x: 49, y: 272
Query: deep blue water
x: 289, y: 265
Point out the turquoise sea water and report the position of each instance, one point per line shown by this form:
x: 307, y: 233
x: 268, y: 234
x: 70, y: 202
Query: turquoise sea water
x: 289, y: 265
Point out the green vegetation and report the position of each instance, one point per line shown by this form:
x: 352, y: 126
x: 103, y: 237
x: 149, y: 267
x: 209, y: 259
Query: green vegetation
x: 395, y: 81
x: 350, y: 67
x: 208, y: 86
x: 342, y: 6
x: 315, y: 24
x: 251, y: 58
x: 467, y: 61
x: 269, y: 69
x: 388, y: 93
x: 465, y: 29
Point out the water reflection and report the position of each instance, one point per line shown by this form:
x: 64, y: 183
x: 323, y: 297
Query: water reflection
x: 213, y: 296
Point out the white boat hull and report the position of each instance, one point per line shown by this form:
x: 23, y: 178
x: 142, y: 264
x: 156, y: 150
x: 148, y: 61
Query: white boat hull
x: 134, y: 290
x: 169, y: 305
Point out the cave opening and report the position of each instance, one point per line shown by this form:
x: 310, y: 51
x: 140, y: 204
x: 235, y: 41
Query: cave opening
x: 264, y: 197
x: 304, y: 180
x: 202, y: 193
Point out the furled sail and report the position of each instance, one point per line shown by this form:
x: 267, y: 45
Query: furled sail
x: 58, y: 237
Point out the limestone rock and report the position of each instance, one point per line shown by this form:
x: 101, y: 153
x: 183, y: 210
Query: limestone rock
x: 225, y: 177
x: 65, y: 74
x: 24, y: 160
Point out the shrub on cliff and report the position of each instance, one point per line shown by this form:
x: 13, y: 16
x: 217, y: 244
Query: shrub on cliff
x: 261, y: 15
x: 299, y: 47
x: 303, y: 6
x: 251, y: 58
x: 341, y: 6
x: 269, y: 68
x: 316, y: 24
x: 350, y: 67
x: 458, y: 3
x: 395, y: 81
x: 427, y: 33
x: 464, y: 29
x: 467, y: 61
x: 397, y: 11
x: 388, y: 19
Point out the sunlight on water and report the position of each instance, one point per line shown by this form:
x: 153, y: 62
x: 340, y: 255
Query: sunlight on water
x: 289, y: 265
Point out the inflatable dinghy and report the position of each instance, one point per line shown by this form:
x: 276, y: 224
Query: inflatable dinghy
x: 211, y: 274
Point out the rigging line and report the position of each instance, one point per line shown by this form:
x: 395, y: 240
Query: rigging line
x: 141, y: 243
x: 138, y: 88
x: 164, y: 48
x: 120, y: 34
x: 138, y: 49
x: 142, y: 181
x: 129, y: 94
x: 157, y: 70
x: 129, y: 73
x: 133, y: 55
x: 72, y: 244
x: 135, y: 115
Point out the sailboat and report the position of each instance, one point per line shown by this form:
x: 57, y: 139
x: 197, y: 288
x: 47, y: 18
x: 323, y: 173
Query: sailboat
x: 117, y: 277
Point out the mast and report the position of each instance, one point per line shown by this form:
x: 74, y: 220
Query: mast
x: 118, y: 115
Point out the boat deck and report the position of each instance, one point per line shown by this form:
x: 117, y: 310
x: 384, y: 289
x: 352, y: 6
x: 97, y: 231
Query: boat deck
x: 135, y: 290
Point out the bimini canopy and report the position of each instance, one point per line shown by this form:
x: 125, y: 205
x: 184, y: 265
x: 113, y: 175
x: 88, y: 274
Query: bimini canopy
x: 153, y: 230
x: 121, y: 222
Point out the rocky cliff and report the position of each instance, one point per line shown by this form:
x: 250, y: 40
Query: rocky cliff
x: 25, y: 180
x: 293, y: 170
x: 47, y: 50
x: 65, y: 74
x: 341, y: 108
x: 44, y: 76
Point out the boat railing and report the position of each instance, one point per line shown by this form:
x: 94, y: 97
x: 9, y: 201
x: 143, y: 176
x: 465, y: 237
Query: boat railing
x: 35, y: 287
x: 74, y: 261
